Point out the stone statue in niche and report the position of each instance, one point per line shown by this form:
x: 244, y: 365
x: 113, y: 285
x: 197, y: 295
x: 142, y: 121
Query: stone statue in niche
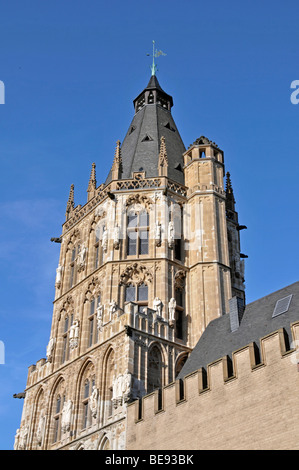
x: 171, y: 310
x: 170, y: 234
x: 157, y: 305
x: 105, y: 239
x: 50, y: 349
x: 23, y: 435
x: 126, y: 386
x: 158, y: 232
x: 121, y: 389
x: 81, y: 258
x: 40, y: 429
x: 112, y: 309
x: 74, y: 334
x: 116, y: 237
x: 66, y: 417
x: 93, y: 401
x: 100, y: 312
x: 58, y: 276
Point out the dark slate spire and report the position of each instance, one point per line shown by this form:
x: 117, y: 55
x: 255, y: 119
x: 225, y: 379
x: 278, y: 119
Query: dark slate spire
x: 141, y: 146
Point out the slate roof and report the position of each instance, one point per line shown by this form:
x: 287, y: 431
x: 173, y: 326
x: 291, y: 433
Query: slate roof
x: 218, y: 340
x: 141, y: 145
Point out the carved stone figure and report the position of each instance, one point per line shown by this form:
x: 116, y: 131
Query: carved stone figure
x: 116, y: 236
x: 158, y: 232
x: 66, y: 417
x: 74, y: 334
x: 40, y: 430
x: 58, y: 276
x: 112, y: 309
x: 100, y: 312
x: 50, y: 349
x: 105, y: 239
x: 93, y: 401
x: 126, y: 385
x: 81, y: 258
x: 23, y: 435
x: 170, y: 234
x: 171, y: 309
x: 17, y: 440
x: 157, y: 304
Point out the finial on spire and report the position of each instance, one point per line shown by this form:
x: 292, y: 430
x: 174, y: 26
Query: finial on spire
x: 70, y: 203
x: 156, y: 53
x: 92, y: 185
x: 117, y: 163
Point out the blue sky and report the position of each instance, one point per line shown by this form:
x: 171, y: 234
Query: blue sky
x: 71, y: 70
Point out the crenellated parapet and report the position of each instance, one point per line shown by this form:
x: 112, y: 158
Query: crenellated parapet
x: 209, y: 407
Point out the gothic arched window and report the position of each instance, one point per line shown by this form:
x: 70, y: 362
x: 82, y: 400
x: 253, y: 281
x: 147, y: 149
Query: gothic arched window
x: 154, y: 369
x: 137, y: 233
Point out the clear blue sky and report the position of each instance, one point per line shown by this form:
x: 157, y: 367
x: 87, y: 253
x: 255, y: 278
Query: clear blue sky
x: 71, y: 70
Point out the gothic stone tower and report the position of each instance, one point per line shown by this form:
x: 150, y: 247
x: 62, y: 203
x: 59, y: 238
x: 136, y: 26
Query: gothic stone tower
x: 144, y: 266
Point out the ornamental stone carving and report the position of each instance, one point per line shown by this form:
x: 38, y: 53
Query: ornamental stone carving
x: 139, y: 199
x: 135, y: 273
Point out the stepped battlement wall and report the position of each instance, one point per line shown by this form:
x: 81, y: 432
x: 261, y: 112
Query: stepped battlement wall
x: 233, y: 403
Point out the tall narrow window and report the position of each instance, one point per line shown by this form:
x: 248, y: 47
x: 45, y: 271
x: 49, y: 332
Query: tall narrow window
x: 93, y: 330
x: 132, y: 234
x: 86, y: 392
x: 57, y: 418
x: 179, y: 325
x: 75, y: 251
x: 85, y: 404
x: 137, y: 233
x: 68, y: 321
x: 98, y: 260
